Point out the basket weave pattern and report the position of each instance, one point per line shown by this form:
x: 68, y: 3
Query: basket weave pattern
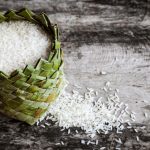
x: 27, y: 93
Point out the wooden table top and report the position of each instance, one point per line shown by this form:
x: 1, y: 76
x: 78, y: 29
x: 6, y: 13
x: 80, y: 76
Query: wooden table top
x: 96, y: 35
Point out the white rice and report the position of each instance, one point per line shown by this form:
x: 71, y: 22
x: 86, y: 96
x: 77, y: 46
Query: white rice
x: 91, y: 113
x: 21, y: 43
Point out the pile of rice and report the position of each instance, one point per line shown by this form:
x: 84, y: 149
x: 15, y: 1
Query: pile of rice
x: 21, y: 43
x: 92, y: 112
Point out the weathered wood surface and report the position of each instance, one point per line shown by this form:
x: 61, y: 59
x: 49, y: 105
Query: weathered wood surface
x: 108, y: 35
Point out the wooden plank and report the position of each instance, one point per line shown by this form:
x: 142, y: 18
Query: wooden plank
x: 16, y: 135
x: 111, y: 36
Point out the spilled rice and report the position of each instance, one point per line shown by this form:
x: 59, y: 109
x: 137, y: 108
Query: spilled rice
x: 92, y: 112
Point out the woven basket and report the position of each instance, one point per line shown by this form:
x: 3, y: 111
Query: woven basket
x: 26, y: 94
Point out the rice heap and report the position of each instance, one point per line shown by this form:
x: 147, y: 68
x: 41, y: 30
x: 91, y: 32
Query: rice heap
x: 95, y: 111
x: 21, y: 43
x: 29, y: 78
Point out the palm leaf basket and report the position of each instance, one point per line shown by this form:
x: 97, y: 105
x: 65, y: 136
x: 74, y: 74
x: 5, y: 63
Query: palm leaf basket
x: 26, y: 94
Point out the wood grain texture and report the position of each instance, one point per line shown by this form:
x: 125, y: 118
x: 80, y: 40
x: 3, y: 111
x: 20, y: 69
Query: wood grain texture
x: 97, y: 35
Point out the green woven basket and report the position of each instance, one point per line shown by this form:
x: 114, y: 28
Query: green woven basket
x: 26, y: 94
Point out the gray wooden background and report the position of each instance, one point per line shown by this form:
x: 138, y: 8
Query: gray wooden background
x: 96, y: 35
